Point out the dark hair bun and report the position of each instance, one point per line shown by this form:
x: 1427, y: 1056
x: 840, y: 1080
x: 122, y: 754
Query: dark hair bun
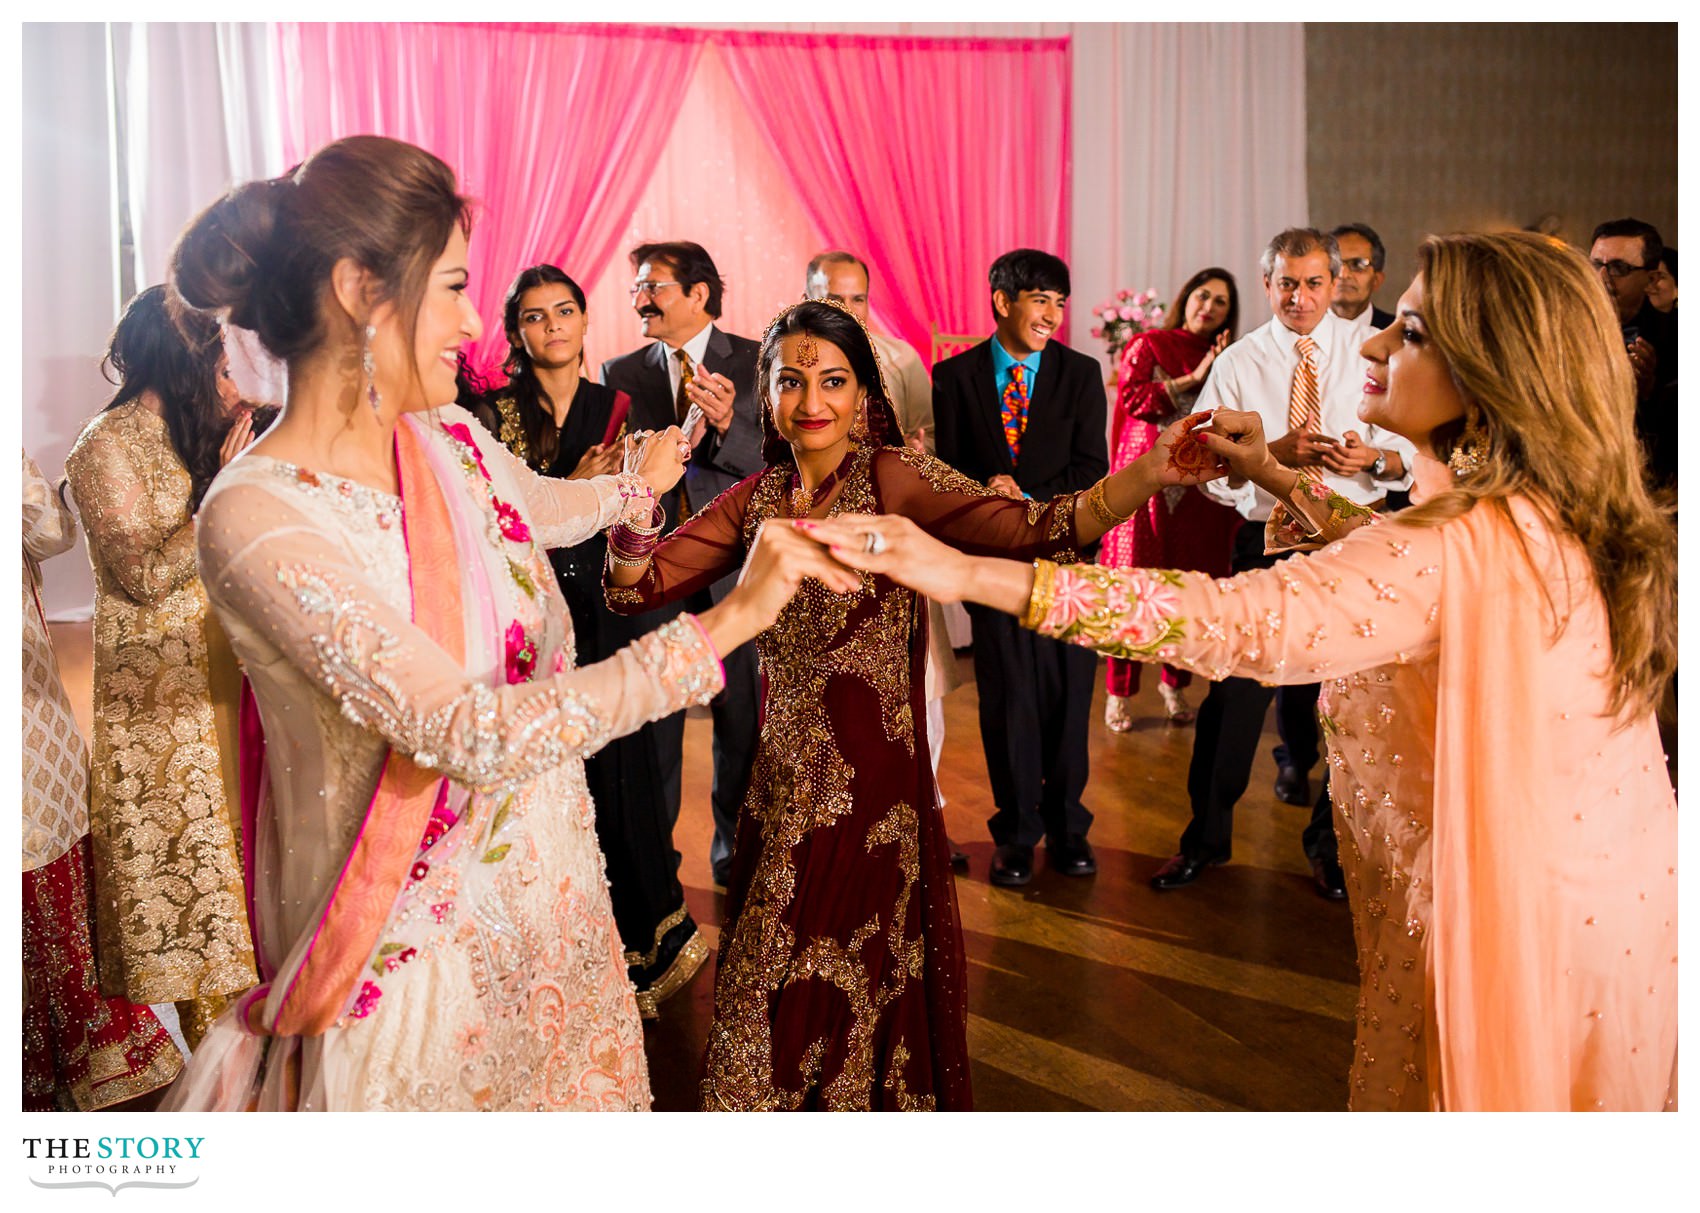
x: 216, y: 263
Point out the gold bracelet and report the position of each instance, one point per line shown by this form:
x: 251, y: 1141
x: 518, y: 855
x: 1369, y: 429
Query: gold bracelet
x: 1099, y: 504
x: 1039, y: 602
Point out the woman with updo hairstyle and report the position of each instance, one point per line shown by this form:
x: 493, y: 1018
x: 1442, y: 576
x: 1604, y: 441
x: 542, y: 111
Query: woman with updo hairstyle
x: 1490, y: 662
x: 164, y: 813
x: 562, y: 423
x: 426, y: 892
x: 840, y: 980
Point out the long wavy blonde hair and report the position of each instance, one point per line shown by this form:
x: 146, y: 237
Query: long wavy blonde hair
x: 1534, y: 346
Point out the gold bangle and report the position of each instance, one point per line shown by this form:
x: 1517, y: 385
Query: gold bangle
x: 1099, y: 504
x: 1039, y: 602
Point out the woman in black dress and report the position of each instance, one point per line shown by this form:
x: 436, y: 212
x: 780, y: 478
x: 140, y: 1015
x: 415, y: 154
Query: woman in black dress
x: 563, y: 424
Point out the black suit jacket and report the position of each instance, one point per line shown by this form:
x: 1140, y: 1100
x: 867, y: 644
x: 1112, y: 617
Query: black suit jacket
x: 719, y: 460
x: 1063, y: 448
x: 1379, y: 318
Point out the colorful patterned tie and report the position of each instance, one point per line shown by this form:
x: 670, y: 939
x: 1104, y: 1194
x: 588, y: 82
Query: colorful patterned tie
x: 1015, y: 410
x: 1304, y: 401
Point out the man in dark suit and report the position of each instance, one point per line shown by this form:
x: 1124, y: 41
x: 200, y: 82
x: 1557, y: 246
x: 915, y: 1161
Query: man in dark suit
x: 691, y: 362
x: 1026, y: 414
x: 1363, y: 268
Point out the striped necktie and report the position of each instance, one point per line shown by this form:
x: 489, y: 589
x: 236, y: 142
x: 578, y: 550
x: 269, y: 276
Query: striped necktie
x: 1015, y: 410
x: 1304, y: 401
x: 687, y: 372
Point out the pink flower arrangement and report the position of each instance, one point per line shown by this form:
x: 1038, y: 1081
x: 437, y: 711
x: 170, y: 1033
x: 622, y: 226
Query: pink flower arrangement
x: 522, y: 654
x: 1125, y: 316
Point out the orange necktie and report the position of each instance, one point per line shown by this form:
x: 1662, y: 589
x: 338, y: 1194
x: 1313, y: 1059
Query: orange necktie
x: 1304, y: 401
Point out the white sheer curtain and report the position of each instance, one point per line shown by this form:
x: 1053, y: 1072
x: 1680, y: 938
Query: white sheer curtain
x: 1189, y: 150
x: 70, y: 286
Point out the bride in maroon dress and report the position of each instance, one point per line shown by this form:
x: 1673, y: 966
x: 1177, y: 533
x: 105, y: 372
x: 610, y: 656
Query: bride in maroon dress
x: 840, y: 980
x: 1158, y: 377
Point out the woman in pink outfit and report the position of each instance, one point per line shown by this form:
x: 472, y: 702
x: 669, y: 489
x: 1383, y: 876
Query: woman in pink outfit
x: 1490, y: 661
x: 1158, y: 377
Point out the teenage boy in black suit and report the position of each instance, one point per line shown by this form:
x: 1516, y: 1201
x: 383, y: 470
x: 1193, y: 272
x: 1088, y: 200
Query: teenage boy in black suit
x: 1025, y: 414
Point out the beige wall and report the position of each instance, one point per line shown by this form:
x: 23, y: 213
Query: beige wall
x: 1420, y: 128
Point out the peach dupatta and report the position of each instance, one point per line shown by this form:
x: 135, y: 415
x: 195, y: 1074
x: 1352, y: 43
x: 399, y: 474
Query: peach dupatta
x: 1553, y: 940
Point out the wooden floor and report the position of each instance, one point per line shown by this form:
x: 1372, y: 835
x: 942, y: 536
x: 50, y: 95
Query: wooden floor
x: 1096, y: 992
x: 1099, y: 992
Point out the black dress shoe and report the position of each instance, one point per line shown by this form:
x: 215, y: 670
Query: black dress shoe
x: 1072, y: 858
x: 1329, y: 879
x: 1182, y: 870
x: 958, y: 857
x: 1012, y: 865
x: 1292, y: 786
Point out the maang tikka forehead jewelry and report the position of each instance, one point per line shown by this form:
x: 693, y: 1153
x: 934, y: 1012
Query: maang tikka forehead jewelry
x: 808, y: 353
x: 369, y: 364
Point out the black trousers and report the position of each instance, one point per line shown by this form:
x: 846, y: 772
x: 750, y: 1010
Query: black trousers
x: 737, y: 727
x: 1035, y: 717
x: 1230, y: 722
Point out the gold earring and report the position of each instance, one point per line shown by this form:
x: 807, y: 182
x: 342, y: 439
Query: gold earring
x: 859, y: 429
x: 1470, y: 451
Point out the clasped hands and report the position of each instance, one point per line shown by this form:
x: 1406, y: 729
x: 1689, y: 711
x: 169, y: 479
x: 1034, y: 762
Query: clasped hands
x: 713, y: 394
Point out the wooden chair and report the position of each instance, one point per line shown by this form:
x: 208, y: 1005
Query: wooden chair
x: 947, y: 344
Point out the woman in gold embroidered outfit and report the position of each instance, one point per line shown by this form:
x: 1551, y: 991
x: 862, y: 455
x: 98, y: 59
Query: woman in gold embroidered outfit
x: 82, y: 1052
x: 429, y: 901
x: 840, y: 979
x: 171, y: 925
x: 1490, y: 661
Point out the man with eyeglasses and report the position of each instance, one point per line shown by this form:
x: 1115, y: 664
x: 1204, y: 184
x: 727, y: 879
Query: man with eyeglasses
x: 1625, y: 253
x: 1363, y: 268
x: 695, y: 373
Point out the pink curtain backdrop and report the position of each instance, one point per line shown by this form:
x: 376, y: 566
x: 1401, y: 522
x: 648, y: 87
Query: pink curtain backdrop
x: 928, y: 156
x: 554, y: 129
x: 718, y: 183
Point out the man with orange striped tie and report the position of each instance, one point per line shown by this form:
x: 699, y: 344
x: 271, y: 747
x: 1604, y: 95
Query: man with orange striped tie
x: 1303, y: 374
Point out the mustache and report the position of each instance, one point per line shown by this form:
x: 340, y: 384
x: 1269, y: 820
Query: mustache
x: 647, y: 312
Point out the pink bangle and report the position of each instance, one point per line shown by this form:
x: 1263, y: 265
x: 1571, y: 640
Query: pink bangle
x: 709, y: 645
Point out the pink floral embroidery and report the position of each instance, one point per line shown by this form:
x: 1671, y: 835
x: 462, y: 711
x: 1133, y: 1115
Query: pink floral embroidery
x: 1153, y: 600
x: 441, y: 910
x: 462, y: 434
x: 522, y: 654
x: 369, y: 995
x: 392, y: 963
x: 513, y: 526
x: 1070, y: 599
x: 420, y: 871
x: 441, y: 822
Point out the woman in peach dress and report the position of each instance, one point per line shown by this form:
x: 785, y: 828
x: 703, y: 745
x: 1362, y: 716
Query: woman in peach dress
x: 1490, y: 662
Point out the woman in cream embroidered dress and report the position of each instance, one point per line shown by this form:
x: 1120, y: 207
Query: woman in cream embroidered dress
x: 1489, y: 662
x: 430, y: 903
x: 169, y: 909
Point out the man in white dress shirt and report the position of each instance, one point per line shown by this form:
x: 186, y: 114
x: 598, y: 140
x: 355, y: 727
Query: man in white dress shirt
x: 842, y: 278
x: 1303, y: 374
